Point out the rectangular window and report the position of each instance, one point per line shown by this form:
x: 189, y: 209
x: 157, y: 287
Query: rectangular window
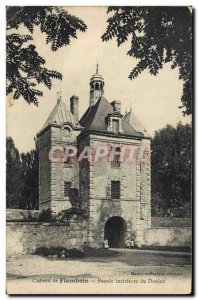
x: 116, y: 126
x: 67, y: 187
x: 115, y: 163
x: 68, y: 160
x: 115, y: 189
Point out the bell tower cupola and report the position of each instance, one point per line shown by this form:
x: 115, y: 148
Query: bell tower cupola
x: 96, y: 87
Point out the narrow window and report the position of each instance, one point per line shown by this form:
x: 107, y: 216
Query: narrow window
x: 68, y: 161
x: 115, y: 189
x: 97, y: 86
x: 116, y: 158
x: 115, y: 126
x: 67, y: 187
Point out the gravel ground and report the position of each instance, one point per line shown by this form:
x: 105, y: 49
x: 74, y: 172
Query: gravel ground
x: 32, y: 273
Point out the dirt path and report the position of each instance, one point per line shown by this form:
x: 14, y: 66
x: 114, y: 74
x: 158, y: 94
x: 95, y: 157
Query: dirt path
x: 35, y: 272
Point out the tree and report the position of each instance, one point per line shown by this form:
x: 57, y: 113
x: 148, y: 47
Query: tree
x: 25, y: 67
x: 158, y: 35
x: 22, y: 177
x: 13, y: 173
x: 171, y: 171
x: 30, y: 180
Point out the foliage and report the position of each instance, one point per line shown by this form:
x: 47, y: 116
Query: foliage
x: 25, y: 67
x: 22, y: 177
x: 30, y: 180
x: 158, y: 35
x: 73, y: 253
x: 171, y: 171
x: 13, y: 182
x: 46, y: 216
x: 59, y: 252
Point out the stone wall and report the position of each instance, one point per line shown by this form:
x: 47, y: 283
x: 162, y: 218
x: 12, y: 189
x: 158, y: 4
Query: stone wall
x: 61, y: 172
x: 53, y: 173
x: 44, y: 170
x: 172, y: 236
x: 176, y: 232
x: 26, y: 237
x: 158, y: 222
x: 13, y: 214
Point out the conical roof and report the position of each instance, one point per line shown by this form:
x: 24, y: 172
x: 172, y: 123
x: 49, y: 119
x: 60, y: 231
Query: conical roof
x: 59, y: 115
x: 131, y: 118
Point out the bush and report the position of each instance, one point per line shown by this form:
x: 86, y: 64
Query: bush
x: 59, y: 252
x: 46, y: 216
x: 75, y: 253
x: 42, y: 251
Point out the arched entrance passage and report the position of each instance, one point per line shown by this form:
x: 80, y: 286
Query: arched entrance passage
x: 115, y: 232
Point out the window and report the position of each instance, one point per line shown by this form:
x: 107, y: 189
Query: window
x: 97, y: 86
x: 68, y: 160
x: 67, y: 187
x: 116, y: 158
x: 115, y: 126
x: 115, y: 189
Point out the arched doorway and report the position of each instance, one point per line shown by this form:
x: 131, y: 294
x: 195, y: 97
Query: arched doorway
x: 115, y: 232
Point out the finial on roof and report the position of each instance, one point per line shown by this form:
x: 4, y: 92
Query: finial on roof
x: 126, y: 111
x: 97, y: 68
x: 59, y: 96
x: 130, y: 107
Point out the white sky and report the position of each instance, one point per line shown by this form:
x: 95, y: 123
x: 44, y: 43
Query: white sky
x: 155, y: 100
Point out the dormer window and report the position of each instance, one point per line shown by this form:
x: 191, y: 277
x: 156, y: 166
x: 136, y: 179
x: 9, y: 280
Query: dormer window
x: 114, y: 123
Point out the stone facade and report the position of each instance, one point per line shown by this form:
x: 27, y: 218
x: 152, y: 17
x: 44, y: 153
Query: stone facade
x: 102, y: 124
x: 134, y: 203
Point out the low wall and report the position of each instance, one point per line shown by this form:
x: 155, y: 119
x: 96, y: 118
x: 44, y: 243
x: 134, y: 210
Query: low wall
x: 172, y: 236
x: 26, y: 237
x: 158, y: 222
x: 175, y: 232
x: 20, y: 214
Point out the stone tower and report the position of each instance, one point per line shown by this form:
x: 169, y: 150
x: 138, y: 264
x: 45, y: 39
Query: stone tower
x: 57, y: 176
x: 112, y: 195
x: 96, y: 87
x: 116, y: 195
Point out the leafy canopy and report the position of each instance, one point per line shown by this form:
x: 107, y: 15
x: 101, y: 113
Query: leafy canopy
x: 25, y: 67
x: 158, y: 35
x: 171, y: 170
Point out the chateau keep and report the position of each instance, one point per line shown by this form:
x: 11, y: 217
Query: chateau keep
x: 112, y: 197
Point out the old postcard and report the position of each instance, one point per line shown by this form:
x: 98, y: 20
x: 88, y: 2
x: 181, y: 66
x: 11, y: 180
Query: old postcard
x: 99, y: 129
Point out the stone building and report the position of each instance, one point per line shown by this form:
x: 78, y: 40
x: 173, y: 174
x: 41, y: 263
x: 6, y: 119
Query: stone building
x: 112, y: 194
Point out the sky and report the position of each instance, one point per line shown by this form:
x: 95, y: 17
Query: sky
x: 154, y: 99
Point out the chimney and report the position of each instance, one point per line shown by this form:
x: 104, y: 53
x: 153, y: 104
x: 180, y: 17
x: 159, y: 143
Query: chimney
x: 74, y: 107
x: 116, y: 105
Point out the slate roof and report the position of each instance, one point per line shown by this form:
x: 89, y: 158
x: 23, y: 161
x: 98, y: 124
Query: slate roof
x: 59, y: 115
x: 131, y: 118
x: 95, y: 117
